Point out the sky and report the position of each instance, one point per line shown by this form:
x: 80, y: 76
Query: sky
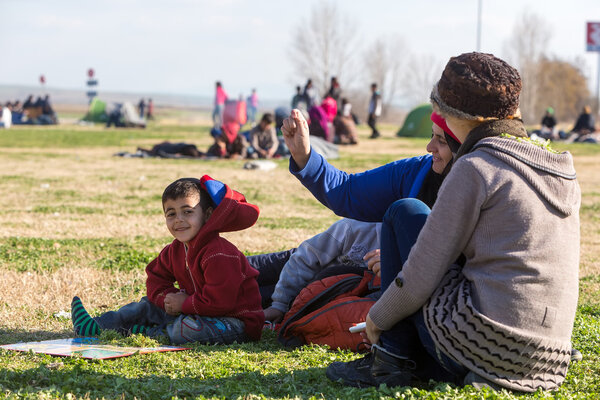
x: 184, y: 46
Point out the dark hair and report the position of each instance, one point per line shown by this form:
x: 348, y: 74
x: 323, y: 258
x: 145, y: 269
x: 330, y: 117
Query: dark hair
x: 185, y: 187
x: 267, y: 118
x: 218, y: 83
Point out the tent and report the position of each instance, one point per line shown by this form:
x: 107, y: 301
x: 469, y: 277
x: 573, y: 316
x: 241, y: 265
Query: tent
x: 96, y: 111
x: 417, y: 122
x: 120, y: 114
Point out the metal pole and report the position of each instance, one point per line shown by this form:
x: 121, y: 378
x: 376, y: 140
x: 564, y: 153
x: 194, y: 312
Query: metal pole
x: 479, y: 25
x: 598, y: 87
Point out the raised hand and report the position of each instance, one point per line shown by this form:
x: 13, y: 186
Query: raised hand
x: 296, y: 136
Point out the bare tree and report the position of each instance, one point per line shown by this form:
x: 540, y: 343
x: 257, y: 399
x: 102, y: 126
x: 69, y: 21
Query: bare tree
x: 563, y: 86
x: 525, y: 49
x: 422, y: 72
x: 324, y: 46
x: 385, y: 62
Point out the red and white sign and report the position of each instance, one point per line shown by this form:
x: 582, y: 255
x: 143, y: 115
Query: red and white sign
x: 593, y: 36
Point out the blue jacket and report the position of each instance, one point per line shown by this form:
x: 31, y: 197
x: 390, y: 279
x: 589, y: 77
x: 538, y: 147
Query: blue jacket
x: 363, y: 196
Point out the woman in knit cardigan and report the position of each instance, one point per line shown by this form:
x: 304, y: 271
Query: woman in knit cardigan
x: 484, y: 291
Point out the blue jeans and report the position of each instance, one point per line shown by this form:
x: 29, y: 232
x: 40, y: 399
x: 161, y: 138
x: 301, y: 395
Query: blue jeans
x: 410, y: 338
x: 180, y: 329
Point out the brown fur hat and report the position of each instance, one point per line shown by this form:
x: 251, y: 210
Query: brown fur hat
x: 478, y: 86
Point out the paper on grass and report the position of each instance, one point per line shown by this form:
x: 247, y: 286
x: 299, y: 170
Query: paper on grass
x: 85, y: 347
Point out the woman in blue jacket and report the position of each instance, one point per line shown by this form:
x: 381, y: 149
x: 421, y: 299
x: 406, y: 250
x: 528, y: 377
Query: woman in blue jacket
x: 416, y: 177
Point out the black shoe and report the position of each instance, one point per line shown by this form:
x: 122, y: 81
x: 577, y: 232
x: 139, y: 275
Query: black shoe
x: 576, y: 355
x: 374, y: 135
x: 377, y: 367
x: 391, y: 369
x: 355, y: 373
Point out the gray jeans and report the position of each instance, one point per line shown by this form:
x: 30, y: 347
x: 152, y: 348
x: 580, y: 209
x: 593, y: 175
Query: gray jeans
x: 180, y: 329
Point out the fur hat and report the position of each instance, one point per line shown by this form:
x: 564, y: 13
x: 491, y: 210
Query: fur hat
x: 478, y: 86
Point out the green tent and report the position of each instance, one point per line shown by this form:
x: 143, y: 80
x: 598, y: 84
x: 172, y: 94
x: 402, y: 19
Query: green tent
x: 96, y: 111
x: 417, y: 122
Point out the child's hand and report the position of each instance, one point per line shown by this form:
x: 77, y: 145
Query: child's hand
x: 272, y: 314
x: 174, y: 302
x: 373, y: 261
x: 295, y: 133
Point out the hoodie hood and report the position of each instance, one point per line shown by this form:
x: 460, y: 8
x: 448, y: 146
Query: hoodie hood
x: 231, y: 213
x: 550, y: 173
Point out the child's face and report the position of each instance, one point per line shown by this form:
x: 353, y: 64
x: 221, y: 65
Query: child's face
x: 184, y: 217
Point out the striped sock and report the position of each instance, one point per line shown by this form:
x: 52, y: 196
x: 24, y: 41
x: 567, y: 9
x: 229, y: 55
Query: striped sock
x: 141, y: 329
x: 83, y: 323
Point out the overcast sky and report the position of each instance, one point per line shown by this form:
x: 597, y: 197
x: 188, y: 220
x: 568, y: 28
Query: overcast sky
x: 183, y: 46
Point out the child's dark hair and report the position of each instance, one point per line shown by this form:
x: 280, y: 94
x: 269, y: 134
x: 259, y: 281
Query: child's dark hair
x: 185, y: 187
x: 267, y: 118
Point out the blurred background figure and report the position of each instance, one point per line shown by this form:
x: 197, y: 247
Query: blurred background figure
x: 374, y: 111
x: 252, y: 102
x: 220, y: 98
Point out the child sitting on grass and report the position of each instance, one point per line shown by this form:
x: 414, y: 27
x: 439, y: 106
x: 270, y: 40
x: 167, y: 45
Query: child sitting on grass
x: 217, y: 299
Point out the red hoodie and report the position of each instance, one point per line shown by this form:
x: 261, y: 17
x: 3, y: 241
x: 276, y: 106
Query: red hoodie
x: 212, y: 270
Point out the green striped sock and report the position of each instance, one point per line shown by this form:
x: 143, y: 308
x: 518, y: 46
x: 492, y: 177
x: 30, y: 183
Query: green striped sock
x: 142, y: 329
x: 83, y: 323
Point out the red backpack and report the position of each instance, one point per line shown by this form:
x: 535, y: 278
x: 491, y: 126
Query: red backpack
x: 325, y: 309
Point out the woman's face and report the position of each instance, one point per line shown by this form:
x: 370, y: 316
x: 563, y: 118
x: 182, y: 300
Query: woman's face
x: 439, y: 149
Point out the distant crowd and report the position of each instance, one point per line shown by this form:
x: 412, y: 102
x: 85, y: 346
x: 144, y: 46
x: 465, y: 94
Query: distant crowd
x: 330, y: 118
x: 32, y: 111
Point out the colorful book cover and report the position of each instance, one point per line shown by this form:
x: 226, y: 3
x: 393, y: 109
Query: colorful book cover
x: 85, y: 347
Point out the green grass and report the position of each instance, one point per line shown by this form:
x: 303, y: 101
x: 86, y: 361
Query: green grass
x: 97, y: 136
x: 47, y: 255
x: 247, y: 371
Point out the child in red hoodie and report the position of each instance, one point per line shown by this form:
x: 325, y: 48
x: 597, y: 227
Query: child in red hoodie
x: 217, y: 298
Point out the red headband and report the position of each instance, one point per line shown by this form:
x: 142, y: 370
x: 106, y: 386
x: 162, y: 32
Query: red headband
x: 441, y: 122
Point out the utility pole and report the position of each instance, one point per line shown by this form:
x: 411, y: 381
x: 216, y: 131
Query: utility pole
x: 593, y: 44
x: 478, y: 25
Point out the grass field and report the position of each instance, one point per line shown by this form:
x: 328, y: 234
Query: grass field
x: 78, y: 221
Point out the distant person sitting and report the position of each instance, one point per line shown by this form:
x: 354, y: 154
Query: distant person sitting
x: 115, y: 116
x: 549, y: 130
x: 48, y: 115
x: 28, y: 102
x: 5, y: 117
x: 585, y: 122
x: 344, y: 127
x: 263, y: 138
x: 227, y: 144
x: 319, y: 125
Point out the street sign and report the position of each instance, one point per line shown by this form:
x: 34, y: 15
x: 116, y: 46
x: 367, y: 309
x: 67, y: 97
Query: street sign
x: 593, y: 36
